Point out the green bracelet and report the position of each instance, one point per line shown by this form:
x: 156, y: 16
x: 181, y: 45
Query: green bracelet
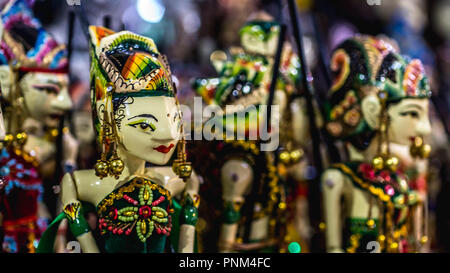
x: 231, y: 213
x: 189, y: 212
x: 77, y: 222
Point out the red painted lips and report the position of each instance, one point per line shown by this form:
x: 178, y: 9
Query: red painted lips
x: 164, y: 149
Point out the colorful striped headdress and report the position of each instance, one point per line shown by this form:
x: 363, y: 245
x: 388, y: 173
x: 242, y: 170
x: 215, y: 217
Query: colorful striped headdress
x: 25, y: 40
x: 130, y: 62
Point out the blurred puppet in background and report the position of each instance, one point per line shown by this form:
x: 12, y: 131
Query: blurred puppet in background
x: 378, y: 97
x: 34, y: 82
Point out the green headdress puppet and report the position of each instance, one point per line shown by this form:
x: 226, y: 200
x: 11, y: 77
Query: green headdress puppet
x: 244, y: 79
x: 239, y: 82
x: 128, y: 65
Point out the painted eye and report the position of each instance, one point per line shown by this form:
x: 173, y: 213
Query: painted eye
x: 147, y: 126
x: 51, y: 91
x: 48, y: 88
x: 144, y: 125
x: 413, y: 114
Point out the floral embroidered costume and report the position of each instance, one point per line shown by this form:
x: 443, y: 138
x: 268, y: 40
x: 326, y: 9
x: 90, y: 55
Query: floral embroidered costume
x: 141, y: 207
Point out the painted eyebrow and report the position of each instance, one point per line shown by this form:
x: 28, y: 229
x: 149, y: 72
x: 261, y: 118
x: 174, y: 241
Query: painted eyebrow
x: 145, y: 116
x: 413, y: 106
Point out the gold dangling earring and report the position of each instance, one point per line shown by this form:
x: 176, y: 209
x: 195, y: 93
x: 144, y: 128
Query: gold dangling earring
x: 102, y: 167
x: 116, y: 164
x: 414, y: 149
x: 419, y: 148
x: 180, y: 165
x: 384, y: 160
x: 378, y: 160
x: 392, y: 163
x: 425, y: 151
x: 178, y: 160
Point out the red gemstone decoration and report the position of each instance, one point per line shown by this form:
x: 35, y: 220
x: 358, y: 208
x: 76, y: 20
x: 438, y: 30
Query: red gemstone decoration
x: 145, y: 211
x: 113, y: 213
x: 389, y: 190
x: 386, y: 176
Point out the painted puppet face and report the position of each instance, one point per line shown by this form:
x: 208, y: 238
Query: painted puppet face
x: 408, y: 119
x: 46, y: 96
x: 149, y: 127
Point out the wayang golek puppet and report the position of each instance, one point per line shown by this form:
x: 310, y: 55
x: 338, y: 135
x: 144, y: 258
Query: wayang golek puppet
x: 33, y: 78
x: 244, y: 81
x: 137, y: 119
x: 38, y: 66
x: 378, y: 97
